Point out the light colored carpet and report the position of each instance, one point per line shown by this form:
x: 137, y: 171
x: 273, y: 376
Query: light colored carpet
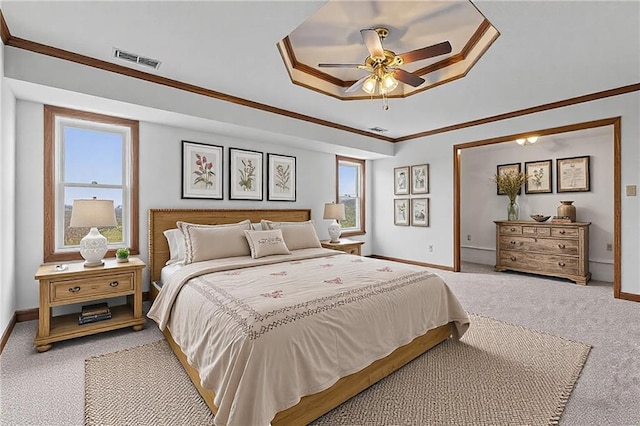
x: 497, y: 374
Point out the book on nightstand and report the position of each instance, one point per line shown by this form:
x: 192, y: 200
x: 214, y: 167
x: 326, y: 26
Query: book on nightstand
x: 93, y: 313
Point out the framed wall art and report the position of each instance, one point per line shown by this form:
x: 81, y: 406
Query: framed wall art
x: 420, y: 179
x: 419, y: 212
x: 201, y: 170
x: 573, y: 174
x: 506, y: 168
x: 401, y: 181
x: 245, y: 174
x: 401, y: 211
x: 281, y: 177
x: 538, y: 177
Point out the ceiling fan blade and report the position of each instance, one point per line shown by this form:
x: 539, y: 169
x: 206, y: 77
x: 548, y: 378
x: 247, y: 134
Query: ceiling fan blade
x: 372, y: 41
x: 339, y: 65
x: 358, y: 84
x: 426, y: 52
x: 407, y: 77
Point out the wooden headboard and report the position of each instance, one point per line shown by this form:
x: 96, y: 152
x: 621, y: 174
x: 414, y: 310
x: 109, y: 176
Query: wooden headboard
x: 162, y: 219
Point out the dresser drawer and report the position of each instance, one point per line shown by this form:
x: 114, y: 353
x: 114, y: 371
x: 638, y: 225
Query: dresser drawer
x: 87, y: 288
x: 564, y: 232
x: 539, y: 262
x: 535, y: 230
x: 511, y: 229
x: 541, y: 245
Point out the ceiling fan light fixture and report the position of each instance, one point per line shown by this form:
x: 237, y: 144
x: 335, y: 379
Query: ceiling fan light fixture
x: 370, y: 84
x: 388, y: 83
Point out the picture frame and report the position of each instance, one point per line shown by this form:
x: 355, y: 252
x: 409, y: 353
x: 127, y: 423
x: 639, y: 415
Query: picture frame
x: 420, y: 179
x: 401, y: 180
x: 573, y: 174
x: 281, y: 177
x: 202, y: 171
x: 539, y: 177
x: 503, y: 168
x: 420, y: 212
x: 401, y: 211
x: 245, y: 174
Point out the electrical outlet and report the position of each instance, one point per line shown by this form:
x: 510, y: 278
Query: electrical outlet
x: 609, y: 247
x: 468, y: 237
x: 430, y: 248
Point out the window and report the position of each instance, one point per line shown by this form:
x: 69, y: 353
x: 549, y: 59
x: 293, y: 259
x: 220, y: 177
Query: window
x: 88, y: 155
x: 350, y: 191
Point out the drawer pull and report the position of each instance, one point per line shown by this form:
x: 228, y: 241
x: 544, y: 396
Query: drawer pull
x: 114, y: 283
x: 513, y: 229
x: 561, y: 264
x: 74, y: 289
x: 513, y: 258
x: 513, y: 242
x: 561, y: 246
x: 562, y: 232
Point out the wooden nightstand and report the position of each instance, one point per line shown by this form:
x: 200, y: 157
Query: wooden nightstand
x: 78, y: 284
x: 345, y: 245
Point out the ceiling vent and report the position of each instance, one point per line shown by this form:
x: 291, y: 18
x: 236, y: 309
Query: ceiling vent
x: 132, y: 57
x: 378, y: 129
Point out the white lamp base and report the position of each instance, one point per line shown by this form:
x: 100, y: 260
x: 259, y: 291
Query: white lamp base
x: 93, y: 247
x: 334, y: 232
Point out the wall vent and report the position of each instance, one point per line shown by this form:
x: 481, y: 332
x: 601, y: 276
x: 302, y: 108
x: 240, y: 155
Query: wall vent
x: 378, y: 129
x: 132, y: 57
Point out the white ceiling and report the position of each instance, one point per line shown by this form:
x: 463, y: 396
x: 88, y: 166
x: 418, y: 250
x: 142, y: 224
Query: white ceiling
x: 547, y: 51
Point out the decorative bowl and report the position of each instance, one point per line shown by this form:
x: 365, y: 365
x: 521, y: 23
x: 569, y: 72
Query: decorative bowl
x: 539, y: 217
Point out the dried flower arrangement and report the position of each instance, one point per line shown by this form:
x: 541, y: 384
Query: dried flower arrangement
x: 510, y: 183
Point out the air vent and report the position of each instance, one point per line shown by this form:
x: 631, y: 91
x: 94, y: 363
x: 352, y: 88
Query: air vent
x: 378, y: 129
x: 132, y: 57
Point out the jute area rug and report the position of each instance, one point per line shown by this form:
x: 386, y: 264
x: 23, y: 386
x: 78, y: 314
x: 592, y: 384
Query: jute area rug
x: 497, y: 374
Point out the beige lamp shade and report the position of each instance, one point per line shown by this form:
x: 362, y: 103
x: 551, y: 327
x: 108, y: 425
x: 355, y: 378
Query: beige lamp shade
x: 89, y: 213
x: 334, y: 211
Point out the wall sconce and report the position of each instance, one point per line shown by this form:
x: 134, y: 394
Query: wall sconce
x: 530, y: 140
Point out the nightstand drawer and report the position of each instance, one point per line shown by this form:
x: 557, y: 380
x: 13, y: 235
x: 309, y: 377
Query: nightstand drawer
x: 87, y: 288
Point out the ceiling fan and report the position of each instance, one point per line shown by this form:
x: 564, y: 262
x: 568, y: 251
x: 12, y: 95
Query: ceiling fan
x: 383, y: 64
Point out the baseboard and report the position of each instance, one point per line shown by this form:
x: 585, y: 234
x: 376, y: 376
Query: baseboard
x: 629, y: 296
x: 27, y: 315
x: 7, y: 332
x: 412, y: 262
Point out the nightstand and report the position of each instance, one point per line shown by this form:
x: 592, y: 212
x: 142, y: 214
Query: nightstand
x: 345, y: 245
x: 77, y: 284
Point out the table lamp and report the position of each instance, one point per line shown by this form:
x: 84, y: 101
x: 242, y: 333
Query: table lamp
x: 91, y: 214
x: 335, y: 212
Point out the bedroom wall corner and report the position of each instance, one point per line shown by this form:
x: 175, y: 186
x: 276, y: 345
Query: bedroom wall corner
x: 7, y: 200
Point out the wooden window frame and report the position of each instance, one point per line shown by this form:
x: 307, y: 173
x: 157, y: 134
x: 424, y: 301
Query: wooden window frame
x: 50, y: 113
x: 363, y: 179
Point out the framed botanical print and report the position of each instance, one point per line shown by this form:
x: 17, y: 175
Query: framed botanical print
x: 573, y: 174
x: 506, y: 168
x: 419, y: 212
x: 281, y: 177
x: 401, y: 181
x: 420, y: 179
x: 245, y: 174
x: 401, y: 211
x: 201, y: 170
x: 538, y: 177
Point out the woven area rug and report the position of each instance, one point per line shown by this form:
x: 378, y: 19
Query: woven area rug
x: 497, y: 373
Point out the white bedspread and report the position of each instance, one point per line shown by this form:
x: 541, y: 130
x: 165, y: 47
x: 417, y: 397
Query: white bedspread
x: 262, y: 337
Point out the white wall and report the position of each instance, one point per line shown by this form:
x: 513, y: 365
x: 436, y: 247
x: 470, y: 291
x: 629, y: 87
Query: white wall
x: 411, y: 243
x: 7, y: 199
x: 480, y: 206
x: 160, y: 180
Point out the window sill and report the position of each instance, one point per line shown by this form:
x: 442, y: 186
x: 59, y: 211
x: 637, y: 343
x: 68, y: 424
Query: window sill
x: 352, y: 233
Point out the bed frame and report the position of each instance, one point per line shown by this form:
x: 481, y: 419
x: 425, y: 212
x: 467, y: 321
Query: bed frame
x: 312, y: 406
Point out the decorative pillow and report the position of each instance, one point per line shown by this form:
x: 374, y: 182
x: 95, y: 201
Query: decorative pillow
x: 175, y: 238
x: 206, y: 242
x: 266, y: 243
x: 297, y: 235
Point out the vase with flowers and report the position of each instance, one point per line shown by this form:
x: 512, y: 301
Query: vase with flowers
x: 509, y: 183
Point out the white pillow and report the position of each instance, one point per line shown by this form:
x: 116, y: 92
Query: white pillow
x: 266, y: 243
x: 175, y: 238
x: 207, y: 242
x: 297, y: 235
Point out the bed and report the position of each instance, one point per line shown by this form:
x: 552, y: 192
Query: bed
x: 305, y: 382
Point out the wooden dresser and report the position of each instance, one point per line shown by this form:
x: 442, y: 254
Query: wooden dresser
x: 553, y: 249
